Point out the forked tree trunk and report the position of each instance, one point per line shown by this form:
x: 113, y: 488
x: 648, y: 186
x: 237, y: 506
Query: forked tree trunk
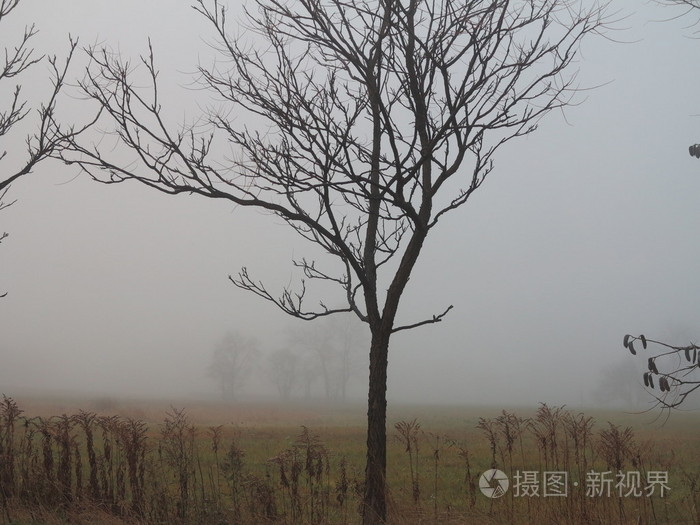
x: 374, y: 504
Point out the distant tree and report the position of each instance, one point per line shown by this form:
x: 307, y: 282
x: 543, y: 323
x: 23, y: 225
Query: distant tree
x: 348, y: 340
x: 232, y: 362
x: 49, y: 137
x: 368, y: 122
x: 284, y: 366
x: 310, y: 372
x: 619, y: 384
x: 330, y: 350
x: 316, y: 344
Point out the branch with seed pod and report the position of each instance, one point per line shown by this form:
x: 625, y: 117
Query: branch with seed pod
x: 674, y: 370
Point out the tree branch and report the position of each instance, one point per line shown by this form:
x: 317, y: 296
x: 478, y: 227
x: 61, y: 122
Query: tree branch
x: 675, y: 371
x: 348, y: 123
x: 435, y: 319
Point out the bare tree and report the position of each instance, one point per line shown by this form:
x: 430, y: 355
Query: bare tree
x: 310, y: 371
x: 232, y: 362
x: 316, y: 344
x: 49, y: 136
x: 619, y: 384
x: 348, y: 339
x: 329, y: 348
x: 284, y: 371
x: 372, y: 120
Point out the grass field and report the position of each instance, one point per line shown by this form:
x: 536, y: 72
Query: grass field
x: 149, y: 462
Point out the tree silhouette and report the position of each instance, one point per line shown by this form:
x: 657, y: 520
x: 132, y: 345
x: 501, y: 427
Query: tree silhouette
x: 49, y: 136
x: 232, y: 362
x: 361, y: 124
x: 329, y: 349
x: 284, y: 371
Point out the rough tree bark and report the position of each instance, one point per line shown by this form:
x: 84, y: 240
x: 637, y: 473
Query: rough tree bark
x: 369, y: 120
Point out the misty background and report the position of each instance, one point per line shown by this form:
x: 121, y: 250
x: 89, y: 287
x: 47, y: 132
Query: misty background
x: 585, y: 230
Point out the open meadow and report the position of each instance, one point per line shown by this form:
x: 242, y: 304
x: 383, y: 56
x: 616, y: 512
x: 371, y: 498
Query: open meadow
x: 116, y: 462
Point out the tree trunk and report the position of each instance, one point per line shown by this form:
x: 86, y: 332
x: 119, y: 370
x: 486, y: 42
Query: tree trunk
x: 374, y: 504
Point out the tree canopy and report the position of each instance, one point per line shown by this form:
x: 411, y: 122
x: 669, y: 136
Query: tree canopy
x: 360, y: 124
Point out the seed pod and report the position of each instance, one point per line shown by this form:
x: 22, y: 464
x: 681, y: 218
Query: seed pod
x: 631, y: 348
x: 695, y: 354
x: 625, y: 341
x: 651, y: 380
x: 646, y: 379
x: 644, y: 341
x: 664, y: 385
x: 652, y: 366
x: 687, y: 353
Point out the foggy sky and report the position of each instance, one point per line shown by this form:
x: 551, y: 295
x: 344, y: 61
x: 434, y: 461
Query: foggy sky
x: 585, y: 230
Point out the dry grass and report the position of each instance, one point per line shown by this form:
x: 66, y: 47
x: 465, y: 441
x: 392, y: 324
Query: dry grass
x: 216, y: 464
